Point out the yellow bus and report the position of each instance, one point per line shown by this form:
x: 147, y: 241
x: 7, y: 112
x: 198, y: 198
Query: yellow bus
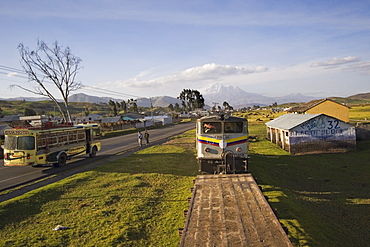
x: 51, y: 145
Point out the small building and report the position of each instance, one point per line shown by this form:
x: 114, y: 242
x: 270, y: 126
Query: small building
x: 165, y: 119
x: 92, y: 118
x: 324, y: 106
x: 311, y: 133
x: 35, y: 121
x: 10, y: 118
x: 116, y: 119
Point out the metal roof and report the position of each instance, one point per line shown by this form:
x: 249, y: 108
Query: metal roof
x: 305, y: 107
x: 289, y: 121
x: 10, y: 118
x: 129, y: 118
x: 111, y: 119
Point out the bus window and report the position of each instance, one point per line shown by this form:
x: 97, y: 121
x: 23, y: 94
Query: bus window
x: 53, y: 140
x: 96, y: 134
x: 10, y: 142
x: 81, y: 136
x: 72, y: 136
x: 233, y: 127
x: 62, y: 139
x: 212, y: 127
x: 41, y: 142
x: 26, y: 143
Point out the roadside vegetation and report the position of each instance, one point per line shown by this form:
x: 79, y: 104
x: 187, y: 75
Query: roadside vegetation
x: 134, y: 201
x: 322, y: 199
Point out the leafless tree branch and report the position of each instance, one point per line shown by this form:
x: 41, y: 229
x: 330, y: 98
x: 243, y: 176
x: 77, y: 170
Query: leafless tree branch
x: 51, y: 65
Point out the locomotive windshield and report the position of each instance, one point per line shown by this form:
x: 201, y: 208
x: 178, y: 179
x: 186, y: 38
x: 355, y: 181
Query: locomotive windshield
x: 212, y: 127
x: 233, y: 127
x: 216, y: 127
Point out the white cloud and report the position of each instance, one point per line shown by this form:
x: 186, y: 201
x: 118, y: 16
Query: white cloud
x: 363, y: 67
x: 11, y: 74
x: 206, y: 73
x: 335, y: 62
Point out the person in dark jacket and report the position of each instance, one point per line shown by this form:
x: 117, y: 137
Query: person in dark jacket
x: 146, y: 135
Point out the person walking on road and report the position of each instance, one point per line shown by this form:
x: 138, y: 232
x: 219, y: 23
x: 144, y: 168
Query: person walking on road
x: 146, y: 135
x: 140, y: 138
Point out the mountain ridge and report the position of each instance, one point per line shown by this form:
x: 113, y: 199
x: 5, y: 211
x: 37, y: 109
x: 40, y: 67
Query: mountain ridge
x: 213, y: 94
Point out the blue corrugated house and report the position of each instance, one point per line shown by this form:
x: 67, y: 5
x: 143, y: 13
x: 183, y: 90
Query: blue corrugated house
x: 311, y: 133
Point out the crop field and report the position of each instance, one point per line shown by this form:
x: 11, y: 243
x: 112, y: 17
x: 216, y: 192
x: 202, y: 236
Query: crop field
x: 323, y: 200
x: 359, y: 113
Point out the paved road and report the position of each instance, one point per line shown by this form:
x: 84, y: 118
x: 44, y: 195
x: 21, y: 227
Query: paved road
x: 14, y: 176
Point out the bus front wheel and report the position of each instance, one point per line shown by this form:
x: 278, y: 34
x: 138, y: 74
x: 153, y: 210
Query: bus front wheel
x: 93, y: 152
x: 62, y: 160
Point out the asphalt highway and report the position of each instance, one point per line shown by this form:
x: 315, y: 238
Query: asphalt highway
x: 11, y: 177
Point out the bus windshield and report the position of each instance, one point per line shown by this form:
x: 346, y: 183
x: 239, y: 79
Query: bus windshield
x: 19, y: 143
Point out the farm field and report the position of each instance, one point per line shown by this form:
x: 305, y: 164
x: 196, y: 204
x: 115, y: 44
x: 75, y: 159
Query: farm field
x: 138, y: 201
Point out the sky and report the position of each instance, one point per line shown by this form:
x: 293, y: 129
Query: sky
x: 140, y: 48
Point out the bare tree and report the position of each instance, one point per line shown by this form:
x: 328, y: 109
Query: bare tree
x: 51, y: 65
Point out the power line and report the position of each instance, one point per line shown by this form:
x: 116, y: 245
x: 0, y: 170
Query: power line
x: 88, y: 88
x: 12, y: 69
x: 19, y: 76
x: 97, y: 89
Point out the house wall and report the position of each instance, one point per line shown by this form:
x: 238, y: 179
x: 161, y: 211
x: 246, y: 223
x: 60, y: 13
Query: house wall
x: 363, y: 131
x: 322, y: 134
x: 331, y: 108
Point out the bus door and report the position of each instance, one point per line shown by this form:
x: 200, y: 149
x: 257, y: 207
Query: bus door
x: 88, y: 140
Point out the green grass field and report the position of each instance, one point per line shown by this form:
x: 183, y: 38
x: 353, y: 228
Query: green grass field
x: 135, y: 201
x: 324, y: 200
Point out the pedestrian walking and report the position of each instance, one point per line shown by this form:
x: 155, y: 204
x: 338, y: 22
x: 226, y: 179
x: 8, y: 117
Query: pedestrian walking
x: 146, y: 135
x: 140, y: 138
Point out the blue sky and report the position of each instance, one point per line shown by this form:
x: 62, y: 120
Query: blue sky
x: 154, y: 48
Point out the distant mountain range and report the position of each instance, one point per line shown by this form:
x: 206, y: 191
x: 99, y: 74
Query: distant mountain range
x: 238, y: 98
x: 213, y: 94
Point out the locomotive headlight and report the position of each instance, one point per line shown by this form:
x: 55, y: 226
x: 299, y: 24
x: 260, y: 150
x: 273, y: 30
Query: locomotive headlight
x: 206, y: 150
x: 238, y: 149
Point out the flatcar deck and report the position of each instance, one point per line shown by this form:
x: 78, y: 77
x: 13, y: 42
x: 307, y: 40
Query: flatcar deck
x: 230, y: 210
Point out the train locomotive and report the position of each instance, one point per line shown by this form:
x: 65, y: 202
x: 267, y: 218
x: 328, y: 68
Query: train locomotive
x: 222, y: 144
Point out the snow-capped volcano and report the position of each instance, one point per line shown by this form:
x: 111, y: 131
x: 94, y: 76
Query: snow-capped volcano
x: 233, y: 95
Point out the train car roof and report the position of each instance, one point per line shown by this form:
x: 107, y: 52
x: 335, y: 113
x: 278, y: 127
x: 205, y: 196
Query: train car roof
x: 222, y: 117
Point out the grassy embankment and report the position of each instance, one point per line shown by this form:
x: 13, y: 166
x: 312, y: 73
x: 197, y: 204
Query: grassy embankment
x: 135, y: 201
x: 138, y: 201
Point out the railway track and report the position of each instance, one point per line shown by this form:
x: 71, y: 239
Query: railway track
x: 230, y: 210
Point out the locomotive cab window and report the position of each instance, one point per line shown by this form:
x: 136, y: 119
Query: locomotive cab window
x: 233, y: 127
x: 212, y: 127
